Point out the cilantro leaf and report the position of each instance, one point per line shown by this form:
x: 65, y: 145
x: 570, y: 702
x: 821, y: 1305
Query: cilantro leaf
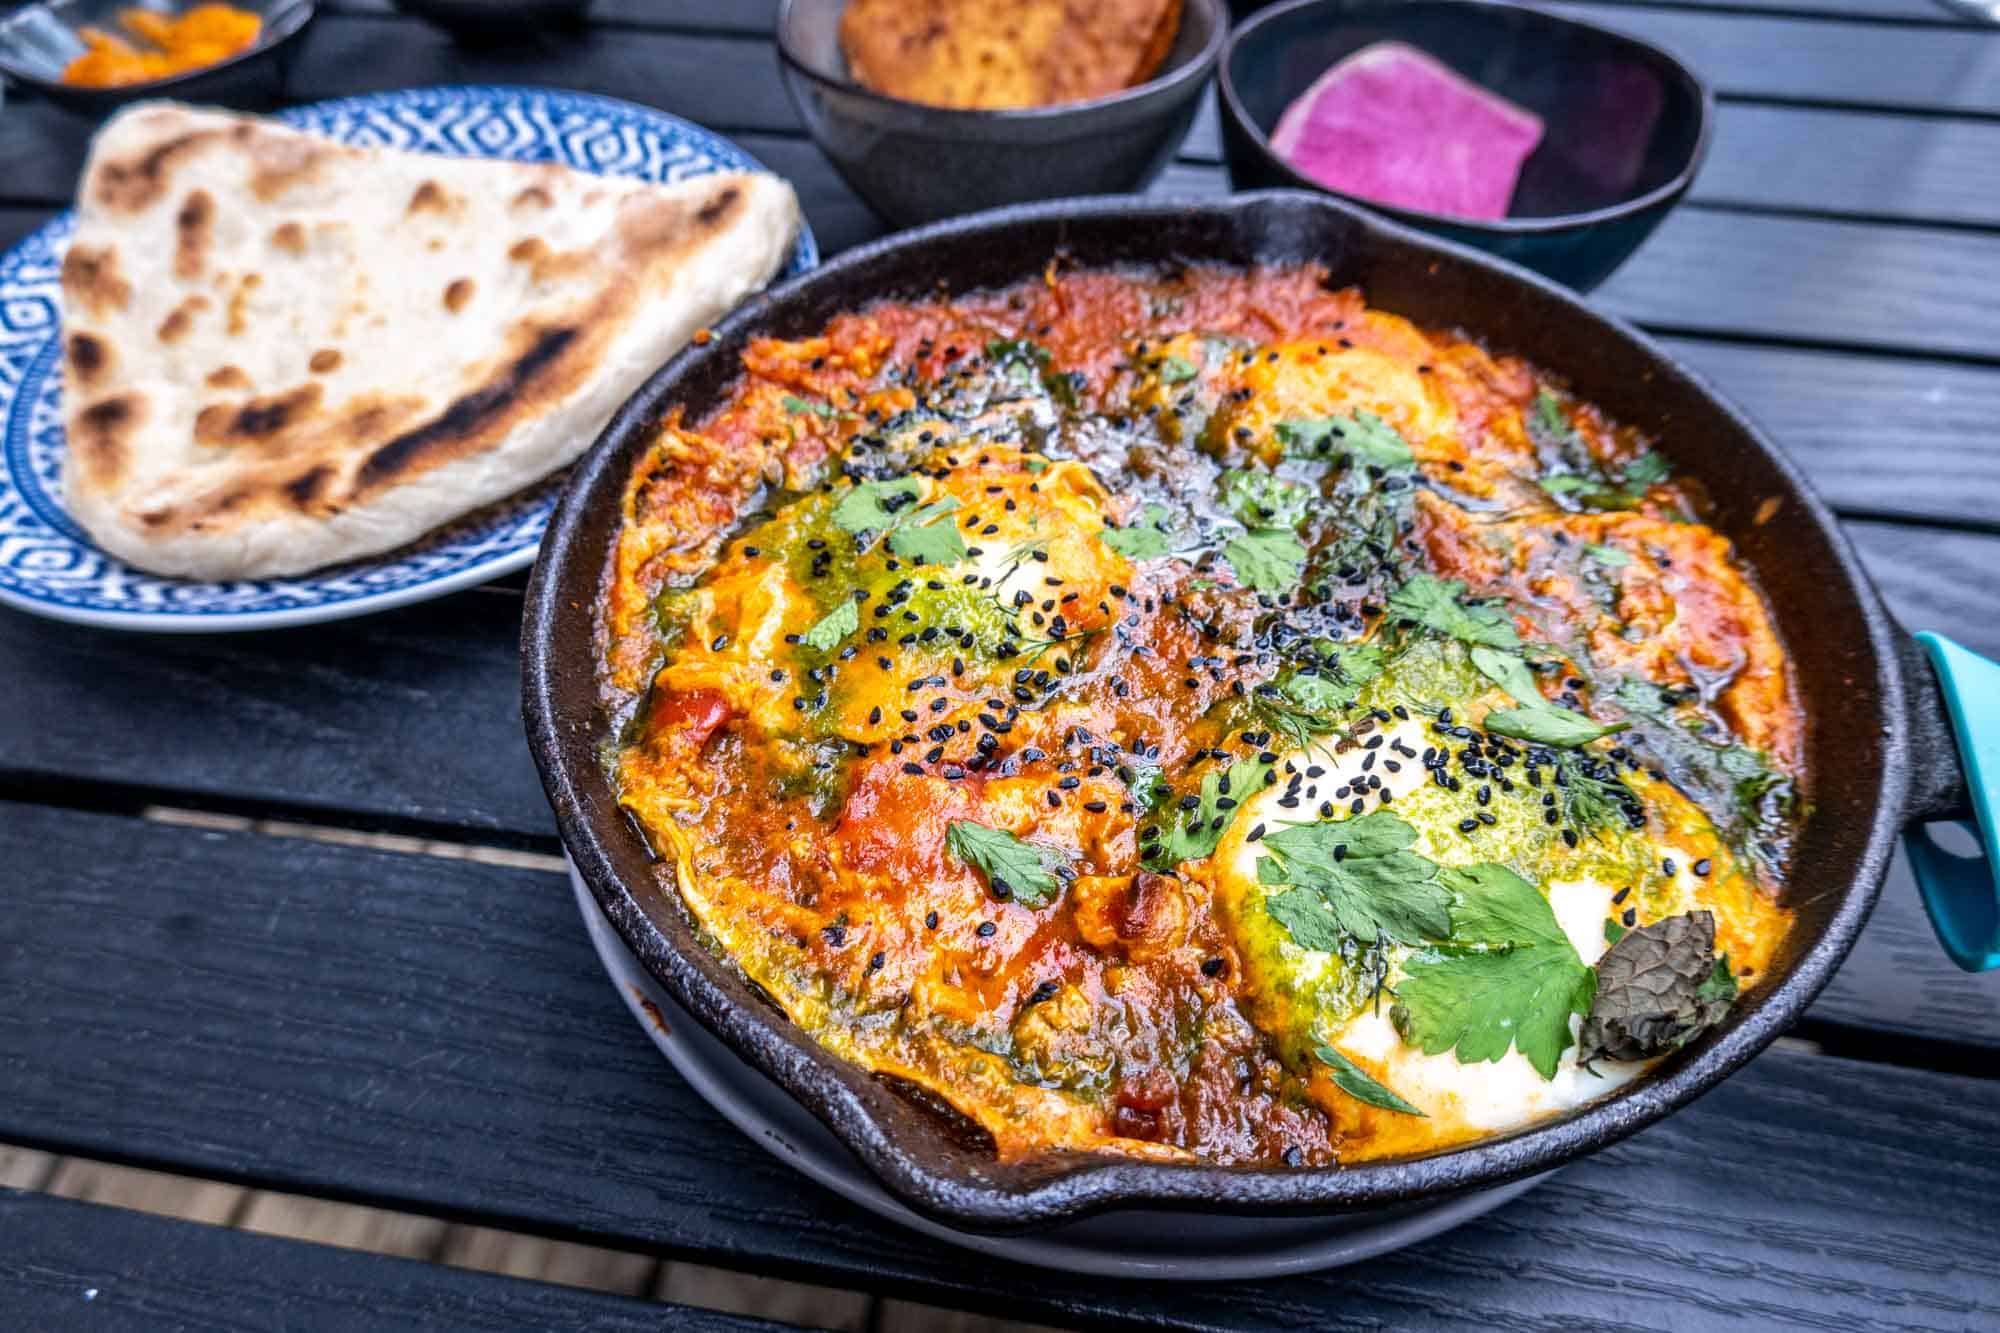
x: 1609, y: 556
x: 1144, y: 540
x: 1176, y: 369
x: 1366, y: 436
x: 1434, y: 602
x: 1303, y: 705
x: 1364, y: 874
x: 1261, y: 500
x: 1636, y: 695
x: 873, y: 505
x: 1508, y: 976
x: 1193, y: 834
x: 1014, y: 868
x: 1266, y: 559
x: 1510, y: 673
x: 1549, y: 418
x: 796, y: 405
x: 1645, y: 470
x: 1549, y: 725
x: 1357, y: 1083
x: 834, y: 626
x: 919, y: 537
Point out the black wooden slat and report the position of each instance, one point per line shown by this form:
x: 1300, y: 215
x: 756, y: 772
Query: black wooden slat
x: 1890, y: 436
x: 65, y: 1264
x: 1867, y: 64
x: 1914, y: 168
x: 1845, y: 284
x: 437, y: 1036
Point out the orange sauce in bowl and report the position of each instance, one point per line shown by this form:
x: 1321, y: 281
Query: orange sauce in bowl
x: 204, y: 35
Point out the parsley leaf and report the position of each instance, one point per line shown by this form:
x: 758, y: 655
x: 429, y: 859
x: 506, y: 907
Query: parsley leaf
x: 1261, y: 500
x: 873, y: 505
x: 1645, y: 470
x: 1357, y: 874
x: 913, y: 533
x: 1193, y: 834
x: 796, y: 405
x: 1609, y: 556
x: 1014, y: 868
x: 1549, y: 725
x: 919, y: 537
x: 1266, y: 559
x: 834, y: 626
x: 1176, y: 369
x: 1434, y: 602
x: 1507, y: 977
x: 1549, y: 416
x: 1357, y: 1083
x: 1636, y: 695
x: 1364, y: 435
x: 1536, y: 720
x: 1144, y: 540
x: 1510, y: 673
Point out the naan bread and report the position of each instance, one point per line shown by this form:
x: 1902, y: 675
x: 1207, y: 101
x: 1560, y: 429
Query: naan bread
x: 281, y: 352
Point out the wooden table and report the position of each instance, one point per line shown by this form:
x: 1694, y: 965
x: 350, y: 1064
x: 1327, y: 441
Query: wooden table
x: 433, y: 1034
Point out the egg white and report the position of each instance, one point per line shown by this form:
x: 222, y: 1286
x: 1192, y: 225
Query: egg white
x: 1488, y: 1096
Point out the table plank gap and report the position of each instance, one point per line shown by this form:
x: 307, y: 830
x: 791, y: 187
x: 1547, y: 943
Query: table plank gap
x: 800, y: 1303
x: 68, y: 1264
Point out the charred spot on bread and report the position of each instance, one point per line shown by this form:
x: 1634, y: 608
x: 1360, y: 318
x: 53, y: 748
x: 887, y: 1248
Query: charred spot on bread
x: 180, y: 319
x: 324, y: 360
x: 530, y: 250
x: 429, y: 197
x: 193, y: 229
x: 460, y: 423
x: 259, y: 419
x: 308, y: 486
x: 92, y: 279
x: 533, y: 194
x: 227, y: 377
x: 457, y: 292
x: 129, y: 186
x: 101, y: 435
x: 89, y: 357
x: 718, y: 207
x: 289, y: 237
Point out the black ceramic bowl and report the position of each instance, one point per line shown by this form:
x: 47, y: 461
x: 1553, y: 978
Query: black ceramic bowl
x: 1625, y: 124
x: 917, y: 163
x: 1877, y: 737
x: 38, y: 41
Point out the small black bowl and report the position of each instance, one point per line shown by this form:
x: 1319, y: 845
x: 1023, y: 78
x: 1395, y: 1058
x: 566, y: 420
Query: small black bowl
x: 918, y: 163
x: 38, y: 41
x: 1626, y: 125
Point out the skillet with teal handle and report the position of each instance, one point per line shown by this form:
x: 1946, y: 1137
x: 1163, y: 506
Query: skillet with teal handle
x: 1904, y: 730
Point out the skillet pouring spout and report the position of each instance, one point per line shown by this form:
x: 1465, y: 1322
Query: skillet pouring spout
x: 1866, y: 690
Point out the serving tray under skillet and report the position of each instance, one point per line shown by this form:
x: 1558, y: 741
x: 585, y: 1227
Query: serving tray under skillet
x: 1856, y: 673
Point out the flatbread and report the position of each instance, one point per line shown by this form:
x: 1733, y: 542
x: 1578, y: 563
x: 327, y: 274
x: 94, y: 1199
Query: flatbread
x: 281, y: 352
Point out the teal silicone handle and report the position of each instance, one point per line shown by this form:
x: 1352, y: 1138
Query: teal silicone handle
x: 1962, y: 893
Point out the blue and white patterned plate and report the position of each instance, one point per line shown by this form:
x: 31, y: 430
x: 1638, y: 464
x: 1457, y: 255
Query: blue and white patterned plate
x: 47, y: 564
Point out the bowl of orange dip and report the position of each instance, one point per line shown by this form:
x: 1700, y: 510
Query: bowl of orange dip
x: 93, y: 55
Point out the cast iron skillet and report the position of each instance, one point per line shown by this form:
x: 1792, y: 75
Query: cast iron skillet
x: 1878, y: 740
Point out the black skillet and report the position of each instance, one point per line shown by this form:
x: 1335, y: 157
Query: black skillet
x: 1880, y: 738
